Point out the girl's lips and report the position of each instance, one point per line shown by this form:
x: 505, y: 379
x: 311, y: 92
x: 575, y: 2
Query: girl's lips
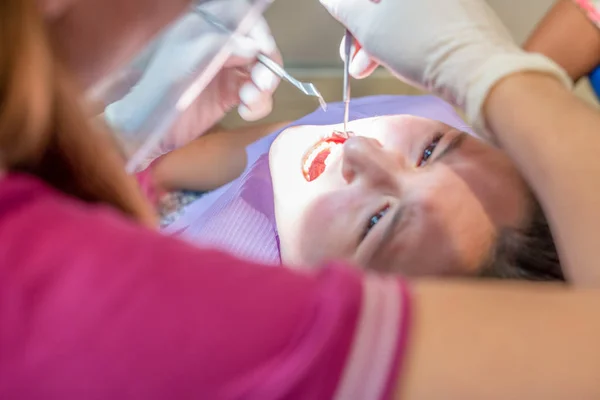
x: 313, y: 162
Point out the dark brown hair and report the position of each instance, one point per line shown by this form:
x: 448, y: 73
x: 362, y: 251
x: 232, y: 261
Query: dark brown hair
x: 528, y: 253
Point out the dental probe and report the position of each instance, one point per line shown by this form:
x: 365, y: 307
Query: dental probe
x: 346, y: 90
x: 307, y: 88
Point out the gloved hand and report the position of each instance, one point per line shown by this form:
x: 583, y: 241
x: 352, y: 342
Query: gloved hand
x: 457, y: 49
x: 175, y: 60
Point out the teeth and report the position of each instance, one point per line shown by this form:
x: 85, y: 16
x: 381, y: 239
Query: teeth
x: 316, y: 151
x: 334, y: 150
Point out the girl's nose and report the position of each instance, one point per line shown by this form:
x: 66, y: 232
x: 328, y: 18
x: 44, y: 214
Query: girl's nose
x: 365, y: 158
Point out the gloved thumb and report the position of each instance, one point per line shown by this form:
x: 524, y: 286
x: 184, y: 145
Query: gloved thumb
x: 361, y: 64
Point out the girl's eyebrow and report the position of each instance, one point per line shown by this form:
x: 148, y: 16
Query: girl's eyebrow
x: 454, y: 144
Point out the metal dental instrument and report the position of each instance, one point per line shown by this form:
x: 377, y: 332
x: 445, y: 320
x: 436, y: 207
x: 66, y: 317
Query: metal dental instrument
x: 307, y: 88
x: 346, y: 90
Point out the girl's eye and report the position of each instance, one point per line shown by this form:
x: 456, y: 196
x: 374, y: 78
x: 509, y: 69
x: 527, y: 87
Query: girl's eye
x: 375, y: 219
x: 428, y: 152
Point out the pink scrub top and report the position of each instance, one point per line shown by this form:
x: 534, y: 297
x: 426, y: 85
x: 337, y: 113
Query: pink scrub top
x: 93, y: 306
x: 591, y: 8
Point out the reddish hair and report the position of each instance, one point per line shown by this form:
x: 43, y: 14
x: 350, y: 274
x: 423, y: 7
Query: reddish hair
x: 44, y: 128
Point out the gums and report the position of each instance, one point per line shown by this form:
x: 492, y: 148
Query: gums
x: 313, y: 162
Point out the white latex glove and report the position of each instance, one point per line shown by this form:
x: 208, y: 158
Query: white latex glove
x: 457, y: 49
x: 175, y: 58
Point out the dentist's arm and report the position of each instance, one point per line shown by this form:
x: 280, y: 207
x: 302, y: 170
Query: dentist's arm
x: 569, y: 37
x: 553, y: 138
x: 496, y: 342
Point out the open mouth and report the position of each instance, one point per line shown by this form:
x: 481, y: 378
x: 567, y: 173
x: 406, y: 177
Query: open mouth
x: 314, y: 161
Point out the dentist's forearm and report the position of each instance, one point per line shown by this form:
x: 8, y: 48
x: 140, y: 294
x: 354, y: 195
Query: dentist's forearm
x: 498, y: 341
x: 568, y: 37
x: 554, y: 138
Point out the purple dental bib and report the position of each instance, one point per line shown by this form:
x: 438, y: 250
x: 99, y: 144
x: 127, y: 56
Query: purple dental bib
x: 239, y: 217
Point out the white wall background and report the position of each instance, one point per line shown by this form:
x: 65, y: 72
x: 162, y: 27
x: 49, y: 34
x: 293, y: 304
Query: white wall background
x: 309, y: 37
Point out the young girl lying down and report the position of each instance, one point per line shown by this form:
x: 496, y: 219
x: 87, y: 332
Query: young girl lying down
x: 411, y: 192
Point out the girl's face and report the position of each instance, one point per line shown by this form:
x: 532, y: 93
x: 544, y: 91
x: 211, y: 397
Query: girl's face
x: 406, y: 194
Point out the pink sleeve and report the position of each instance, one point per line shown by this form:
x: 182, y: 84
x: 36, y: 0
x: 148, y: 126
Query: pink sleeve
x: 145, y: 179
x: 591, y: 8
x: 103, y: 309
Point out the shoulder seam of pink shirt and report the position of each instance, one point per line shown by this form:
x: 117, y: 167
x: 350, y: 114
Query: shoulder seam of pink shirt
x: 591, y: 8
x: 373, y: 364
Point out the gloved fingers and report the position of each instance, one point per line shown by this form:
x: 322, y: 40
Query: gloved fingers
x: 254, y: 105
x: 256, y: 95
x: 244, y: 51
x: 259, y: 112
x: 263, y: 78
x: 335, y: 8
x: 230, y: 81
x: 258, y: 40
x: 347, y: 12
x: 255, y: 91
x: 361, y: 64
x: 263, y: 37
x: 265, y: 82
